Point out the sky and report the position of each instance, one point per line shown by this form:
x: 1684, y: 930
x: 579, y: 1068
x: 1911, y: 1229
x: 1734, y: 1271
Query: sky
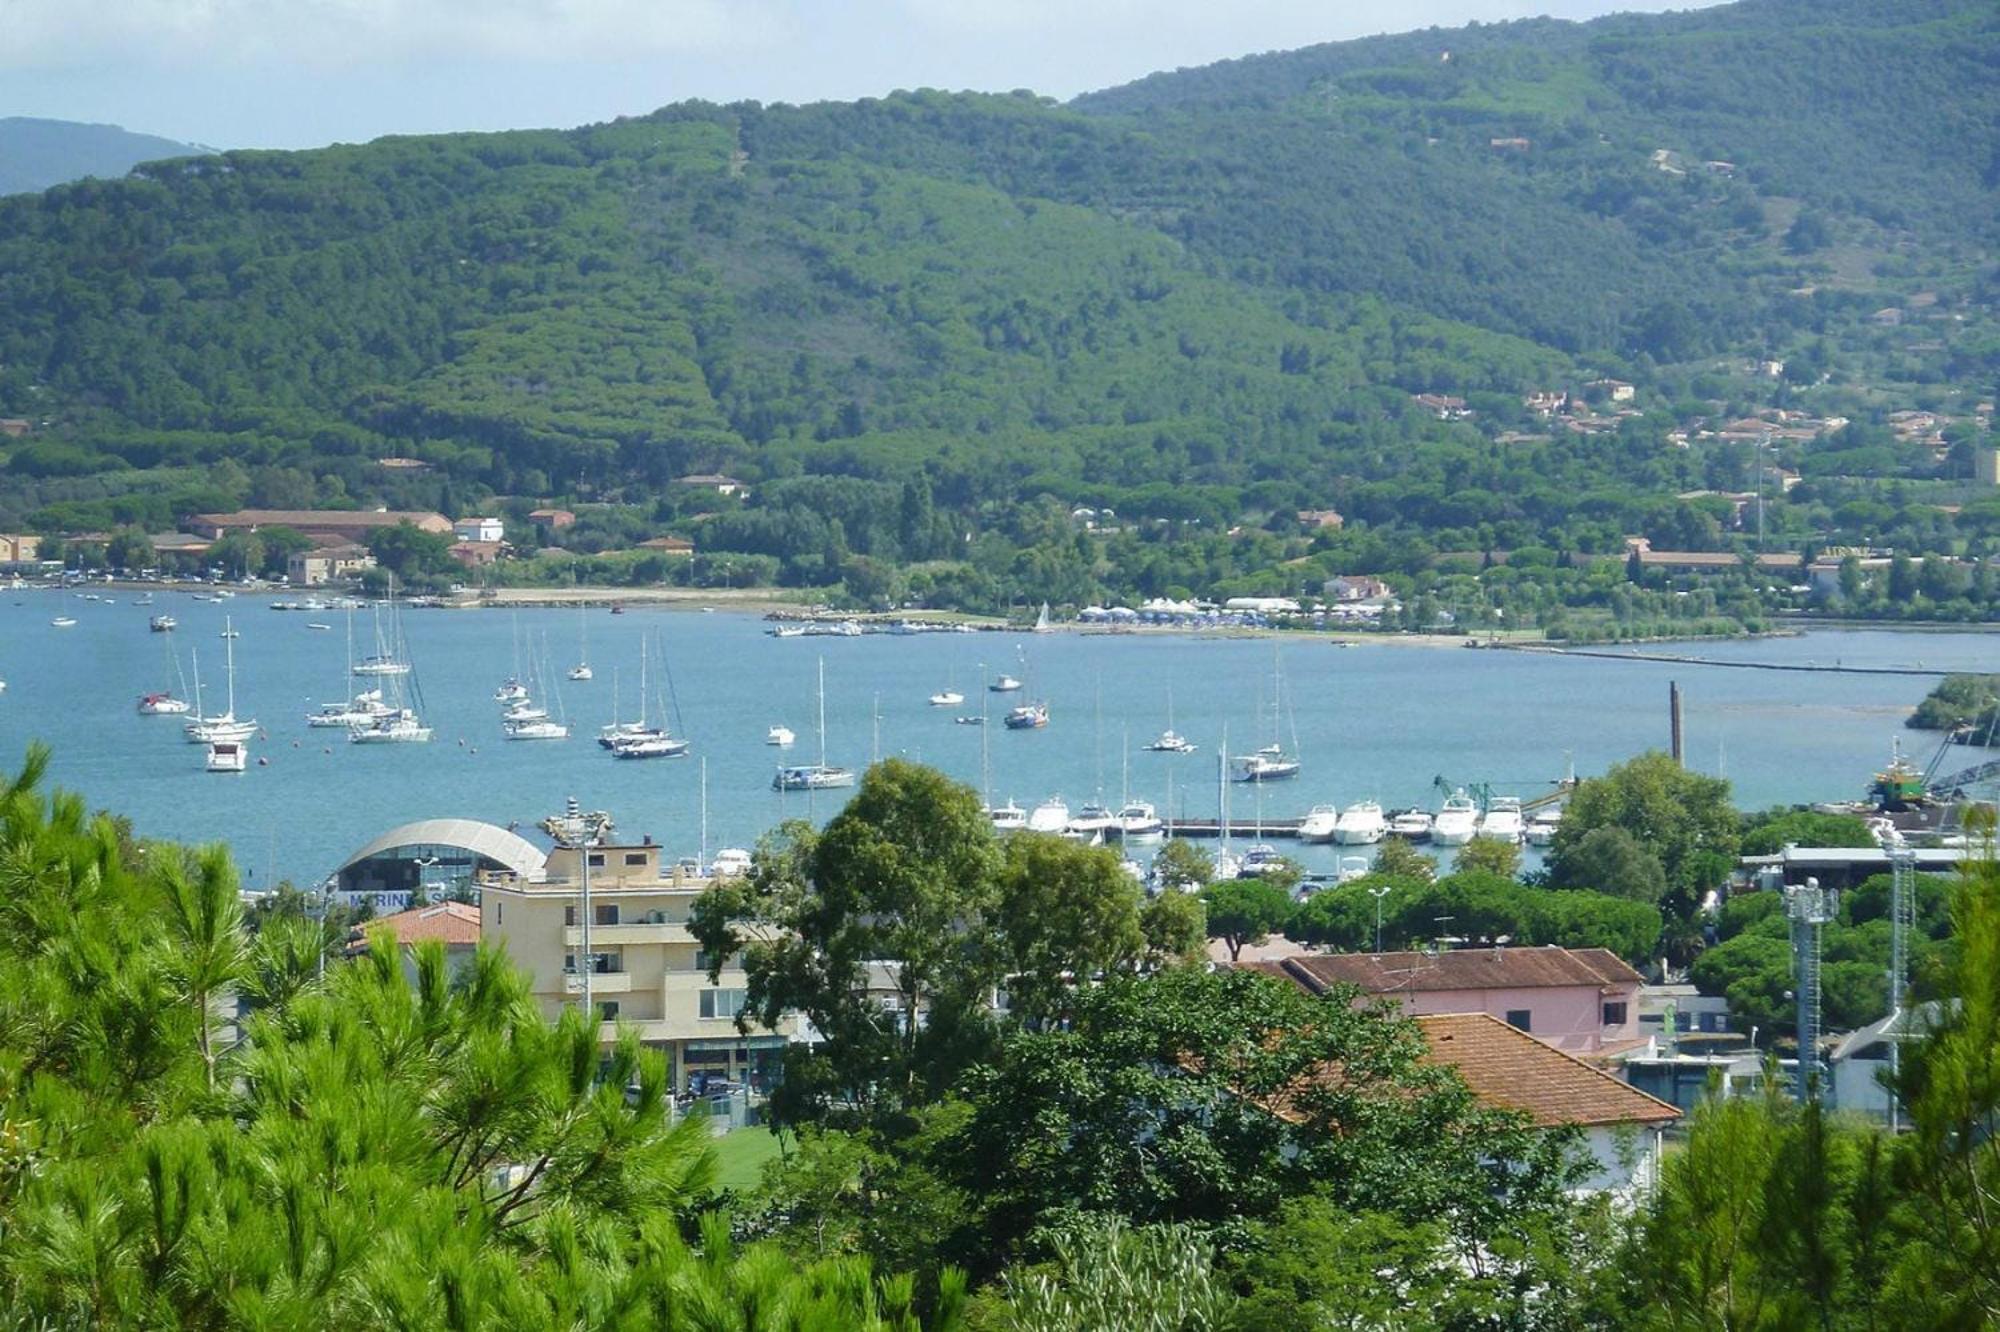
x: 302, y: 73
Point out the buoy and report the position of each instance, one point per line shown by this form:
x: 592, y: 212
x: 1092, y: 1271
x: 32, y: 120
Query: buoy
x: 263, y: 763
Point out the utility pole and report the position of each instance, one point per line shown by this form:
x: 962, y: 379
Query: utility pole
x: 1902, y: 923
x: 1809, y: 907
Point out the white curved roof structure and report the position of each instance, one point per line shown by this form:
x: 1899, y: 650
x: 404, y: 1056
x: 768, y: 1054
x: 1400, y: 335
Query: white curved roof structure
x: 482, y: 839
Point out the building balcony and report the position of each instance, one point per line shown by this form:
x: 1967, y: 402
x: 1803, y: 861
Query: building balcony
x: 601, y: 983
x: 611, y: 936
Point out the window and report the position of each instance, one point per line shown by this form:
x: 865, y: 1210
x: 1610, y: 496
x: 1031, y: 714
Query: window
x: 721, y: 1003
x: 609, y: 963
x: 596, y: 859
x: 635, y: 857
x: 603, y: 914
x: 569, y: 916
x: 607, y: 1010
x: 1521, y: 1019
x: 1614, y: 1014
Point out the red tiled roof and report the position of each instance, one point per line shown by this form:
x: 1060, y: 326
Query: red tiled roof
x: 1507, y: 1069
x: 1462, y: 969
x: 452, y: 922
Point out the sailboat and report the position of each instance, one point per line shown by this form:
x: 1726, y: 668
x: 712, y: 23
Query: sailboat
x: 1270, y: 763
x: 1030, y: 716
x: 820, y: 776
x: 63, y: 619
x: 1171, y: 741
x: 582, y: 671
x: 364, y: 709
x: 164, y: 702
x: 541, y: 727
x: 226, y: 726
x: 639, y: 739
x: 399, y: 724
x: 1042, y: 625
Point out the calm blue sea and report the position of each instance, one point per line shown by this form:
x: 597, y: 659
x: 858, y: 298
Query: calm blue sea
x: 1372, y: 720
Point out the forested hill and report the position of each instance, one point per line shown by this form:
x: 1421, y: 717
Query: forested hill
x: 1230, y: 279
x: 37, y: 153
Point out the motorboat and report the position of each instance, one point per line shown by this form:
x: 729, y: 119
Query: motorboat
x: 1172, y: 742
x: 1269, y: 764
x: 1004, y: 684
x: 1457, y: 820
x: 1361, y: 824
x: 63, y: 622
x: 1502, y: 821
x: 781, y: 736
x: 651, y: 745
x: 162, y: 705
x: 947, y: 698
x: 227, y: 756
x: 1051, y: 816
x: 511, y: 690
x: 1138, y: 821
x: 581, y: 671
x: 1542, y: 828
x: 1028, y: 717
x: 1319, y: 823
x: 1350, y: 869
x: 1413, y: 824
x: 812, y: 777
x: 788, y: 631
x: 730, y: 863
x: 163, y: 624
x: 1093, y: 819
x: 970, y: 721
x: 1009, y: 817
x: 1259, y: 860
x: 541, y: 729
x: 399, y: 726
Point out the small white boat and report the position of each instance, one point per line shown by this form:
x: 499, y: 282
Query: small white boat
x: 318, y: 624
x: 1413, y: 824
x: 1361, y: 824
x: 510, y: 691
x: 812, y: 777
x: 541, y: 729
x: 380, y: 665
x: 64, y: 621
x: 163, y: 624
x: 1172, y: 742
x: 227, y: 756
x: 1319, y: 823
x: 1093, y: 819
x: 1457, y: 820
x: 524, y: 709
x: 161, y: 704
x: 1008, y: 817
x: 399, y: 726
x: 1138, y: 821
x: 1004, y: 684
x: 1350, y: 869
x: 781, y: 736
x: 652, y: 745
x: 730, y: 863
x: 1269, y: 764
x: 1542, y: 828
x: 1502, y: 821
x: 230, y: 632
x: 581, y: 671
x: 1258, y: 861
x: 1051, y: 816
x: 947, y: 698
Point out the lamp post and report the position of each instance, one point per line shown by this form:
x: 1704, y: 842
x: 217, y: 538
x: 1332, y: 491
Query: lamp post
x: 1378, y: 893
x: 575, y: 829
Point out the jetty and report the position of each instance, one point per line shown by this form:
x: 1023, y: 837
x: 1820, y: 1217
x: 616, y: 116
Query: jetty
x: 1681, y: 659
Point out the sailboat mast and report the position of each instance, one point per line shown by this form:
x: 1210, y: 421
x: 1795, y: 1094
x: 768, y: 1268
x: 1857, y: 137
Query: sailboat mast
x: 1222, y: 788
x: 229, y: 655
x: 822, y: 712
x: 985, y: 769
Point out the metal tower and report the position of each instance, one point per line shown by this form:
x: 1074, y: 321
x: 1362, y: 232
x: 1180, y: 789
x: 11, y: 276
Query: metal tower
x: 1809, y: 908
x: 576, y: 829
x: 1902, y: 927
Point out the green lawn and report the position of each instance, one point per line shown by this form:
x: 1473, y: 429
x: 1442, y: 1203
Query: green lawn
x: 740, y: 1157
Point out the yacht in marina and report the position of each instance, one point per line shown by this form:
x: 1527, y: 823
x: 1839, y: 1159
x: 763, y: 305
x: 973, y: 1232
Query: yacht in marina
x: 820, y: 776
x: 1542, y: 828
x: 1361, y: 824
x: 1259, y: 860
x: 1009, y: 817
x: 1093, y: 820
x: 1351, y: 868
x: 1319, y: 823
x: 1502, y: 821
x: 1412, y: 824
x: 1051, y: 816
x: 730, y: 863
x: 1457, y: 820
x: 1138, y: 821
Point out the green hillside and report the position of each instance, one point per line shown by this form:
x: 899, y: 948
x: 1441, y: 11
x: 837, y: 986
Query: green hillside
x: 37, y: 153
x: 1207, y: 297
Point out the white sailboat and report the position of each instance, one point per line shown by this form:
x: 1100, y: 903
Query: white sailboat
x: 226, y: 725
x: 63, y: 619
x: 582, y: 671
x: 820, y: 776
x: 1270, y: 763
x: 363, y: 709
x: 542, y: 726
x: 399, y: 724
x: 639, y: 739
x: 1171, y: 741
x: 164, y: 702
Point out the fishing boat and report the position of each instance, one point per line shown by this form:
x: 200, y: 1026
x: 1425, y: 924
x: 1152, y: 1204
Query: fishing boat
x: 227, y: 756
x: 1457, y: 820
x: 820, y: 776
x: 1319, y: 823
x: 1502, y: 820
x: 1361, y: 824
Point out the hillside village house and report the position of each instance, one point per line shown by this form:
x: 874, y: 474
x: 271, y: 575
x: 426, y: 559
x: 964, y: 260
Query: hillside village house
x: 476, y: 554
x: 668, y: 545
x: 553, y: 519
x: 646, y: 969
x: 1584, y: 1000
x: 453, y: 924
x: 479, y: 529
x: 1315, y: 520
x: 18, y: 548
x: 327, y: 524
x: 715, y: 481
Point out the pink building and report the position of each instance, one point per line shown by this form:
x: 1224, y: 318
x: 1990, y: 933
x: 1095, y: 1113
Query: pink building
x: 1580, y: 1000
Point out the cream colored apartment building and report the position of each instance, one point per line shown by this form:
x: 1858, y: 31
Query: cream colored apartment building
x: 647, y: 970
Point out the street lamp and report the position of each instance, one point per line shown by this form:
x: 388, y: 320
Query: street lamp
x: 1378, y: 893
x: 576, y: 829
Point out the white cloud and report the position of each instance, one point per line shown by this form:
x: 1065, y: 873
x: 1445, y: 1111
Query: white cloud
x: 56, y: 33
